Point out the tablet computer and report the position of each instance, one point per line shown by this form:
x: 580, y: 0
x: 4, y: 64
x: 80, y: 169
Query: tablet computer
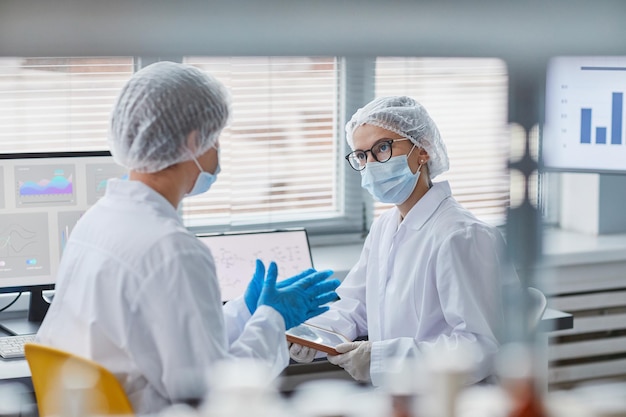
x: 316, y: 337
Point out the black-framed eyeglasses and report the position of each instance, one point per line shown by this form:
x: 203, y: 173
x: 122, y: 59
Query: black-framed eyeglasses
x: 381, y: 151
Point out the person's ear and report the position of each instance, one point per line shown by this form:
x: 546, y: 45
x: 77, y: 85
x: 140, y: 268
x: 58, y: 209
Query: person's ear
x: 422, y: 156
x: 192, y: 140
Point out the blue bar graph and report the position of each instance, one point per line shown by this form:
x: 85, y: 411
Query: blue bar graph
x: 617, y: 123
x: 616, y: 119
x: 585, y: 125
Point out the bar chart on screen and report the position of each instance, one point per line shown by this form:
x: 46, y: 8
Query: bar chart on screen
x: 585, y: 120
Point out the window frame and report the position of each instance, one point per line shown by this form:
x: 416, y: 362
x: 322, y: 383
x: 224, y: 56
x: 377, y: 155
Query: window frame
x: 349, y: 225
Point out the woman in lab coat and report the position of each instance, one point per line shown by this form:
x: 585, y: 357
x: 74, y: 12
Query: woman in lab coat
x: 430, y: 274
x: 136, y: 291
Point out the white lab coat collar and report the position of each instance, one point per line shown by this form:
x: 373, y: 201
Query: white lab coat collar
x: 141, y: 194
x: 426, y: 206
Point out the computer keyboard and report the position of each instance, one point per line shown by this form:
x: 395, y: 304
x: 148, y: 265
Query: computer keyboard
x: 13, y: 346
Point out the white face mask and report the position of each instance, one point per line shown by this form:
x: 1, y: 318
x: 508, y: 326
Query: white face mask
x: 390, y: 182
x: 205, y: 179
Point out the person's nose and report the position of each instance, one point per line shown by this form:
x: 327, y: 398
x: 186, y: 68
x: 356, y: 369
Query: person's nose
x: 370, y: 156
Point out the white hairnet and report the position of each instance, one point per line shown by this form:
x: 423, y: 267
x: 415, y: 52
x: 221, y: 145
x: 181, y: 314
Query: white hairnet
x: 157, y: 110
x: 407, y: 118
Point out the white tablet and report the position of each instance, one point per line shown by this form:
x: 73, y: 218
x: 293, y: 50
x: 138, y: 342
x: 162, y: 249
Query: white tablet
x: 316, y: 337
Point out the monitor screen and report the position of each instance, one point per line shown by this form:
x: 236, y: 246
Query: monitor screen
x: 235, y: 256
x: 42, y: 196
x: 585, y: 123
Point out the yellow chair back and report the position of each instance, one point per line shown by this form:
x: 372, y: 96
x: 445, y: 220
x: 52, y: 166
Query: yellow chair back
x: 65, y: 384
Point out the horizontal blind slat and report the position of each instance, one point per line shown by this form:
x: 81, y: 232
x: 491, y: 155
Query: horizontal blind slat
x: 284, y: 118
x: 57, y: 104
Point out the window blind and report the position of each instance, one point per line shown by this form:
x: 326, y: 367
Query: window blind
x: 279, y: 153
x: 58, y: 104
x: 467, y: 99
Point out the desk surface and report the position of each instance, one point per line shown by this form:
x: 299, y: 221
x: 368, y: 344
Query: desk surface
x: 553, y: 320
x: 14, y: 369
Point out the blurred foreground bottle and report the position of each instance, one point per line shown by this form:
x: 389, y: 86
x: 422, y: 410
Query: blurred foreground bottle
x: 404, y: 383
x: 241, y: 388
x: 338, y: 398
x: 516, y: 370
x: 16, y: 400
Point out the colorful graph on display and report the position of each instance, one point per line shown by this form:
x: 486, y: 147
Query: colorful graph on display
x: 584, y: 129
x: 45, y: 185
x: 57, y: 185
x: 102, y: 183
x: 43, y: 196
x: 98, y: 176
x: 616, y: 122
x: 66, y: 221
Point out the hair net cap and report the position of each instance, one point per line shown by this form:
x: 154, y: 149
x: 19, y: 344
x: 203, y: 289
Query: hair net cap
x: 406, y: 117
x: 157, y: 110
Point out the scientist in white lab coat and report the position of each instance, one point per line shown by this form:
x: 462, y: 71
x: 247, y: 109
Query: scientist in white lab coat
x: 430, y: 274
x: 137, y: 292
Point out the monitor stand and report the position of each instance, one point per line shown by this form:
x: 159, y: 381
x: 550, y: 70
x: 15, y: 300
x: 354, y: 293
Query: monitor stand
x: 28, y: 324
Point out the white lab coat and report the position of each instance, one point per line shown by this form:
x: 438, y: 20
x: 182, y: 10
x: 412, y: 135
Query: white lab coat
x: 137, y: 293
x: 432, y: 281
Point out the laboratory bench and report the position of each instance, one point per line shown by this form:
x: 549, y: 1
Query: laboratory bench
x: 17, y: 369
x: 573, y: 264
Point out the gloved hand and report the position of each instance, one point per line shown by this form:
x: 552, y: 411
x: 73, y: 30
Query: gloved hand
x: 355, y: 358
x: 301, y: 298
x: 251, y: 296
x: 301, y: 354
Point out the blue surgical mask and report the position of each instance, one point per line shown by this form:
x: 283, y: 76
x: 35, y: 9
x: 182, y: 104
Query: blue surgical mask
x: 390, y: 182
x: 204, y: 181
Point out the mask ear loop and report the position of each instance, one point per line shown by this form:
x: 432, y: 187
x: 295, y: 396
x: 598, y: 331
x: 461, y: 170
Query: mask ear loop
x: 195, y: 161
x: 419, y: 168
x: 409, y: 154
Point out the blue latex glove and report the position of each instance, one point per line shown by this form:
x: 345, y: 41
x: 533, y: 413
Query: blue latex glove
x: 301, y: 298
x: 251, y: 296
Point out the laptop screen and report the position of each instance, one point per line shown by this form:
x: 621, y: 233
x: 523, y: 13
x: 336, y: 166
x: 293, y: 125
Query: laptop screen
x: 235, y: 256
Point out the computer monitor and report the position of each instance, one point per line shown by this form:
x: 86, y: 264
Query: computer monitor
x: 236, y: 253
x: 585, y: 123
x: 42, y: 196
